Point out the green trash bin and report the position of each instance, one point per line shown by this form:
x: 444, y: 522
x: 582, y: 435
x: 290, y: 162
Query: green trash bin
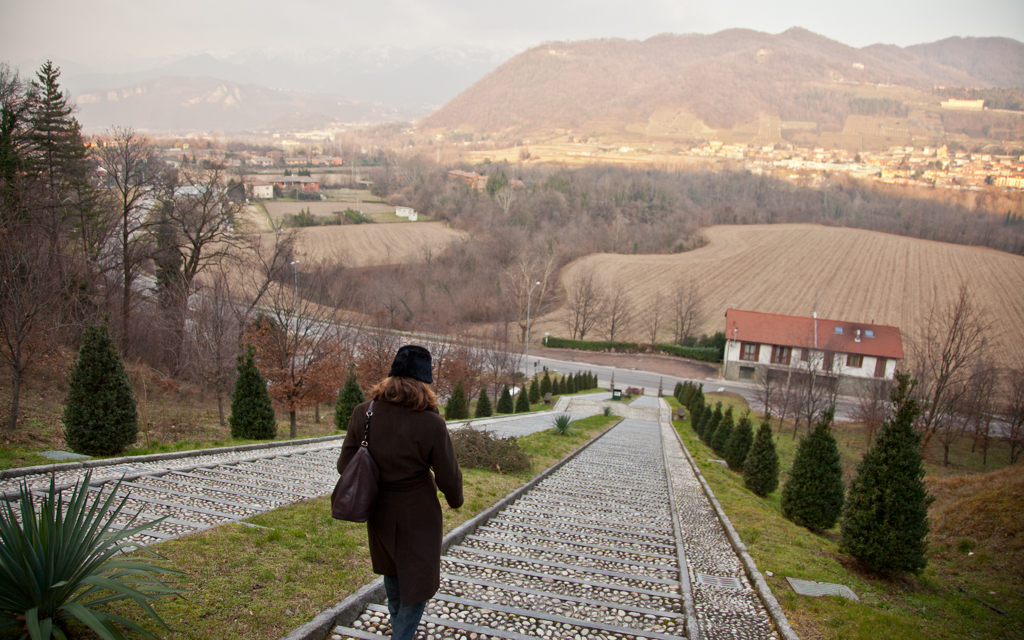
x: 616, y: 394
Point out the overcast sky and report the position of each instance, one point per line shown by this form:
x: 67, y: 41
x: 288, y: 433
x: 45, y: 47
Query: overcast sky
x: 107, y: 34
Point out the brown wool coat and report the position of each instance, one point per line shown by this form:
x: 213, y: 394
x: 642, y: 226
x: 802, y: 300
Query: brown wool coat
x: 405, y: 529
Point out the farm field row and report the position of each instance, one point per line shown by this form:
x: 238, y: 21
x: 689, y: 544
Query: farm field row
x: 848, y: 274
x: 373, y: 244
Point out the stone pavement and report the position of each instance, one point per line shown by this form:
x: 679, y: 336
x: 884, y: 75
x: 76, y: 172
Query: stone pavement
x: 619, y: 543
x: 209, y: 488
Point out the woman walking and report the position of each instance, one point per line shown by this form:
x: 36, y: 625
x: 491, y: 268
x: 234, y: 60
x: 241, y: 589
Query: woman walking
x: 408, y: 438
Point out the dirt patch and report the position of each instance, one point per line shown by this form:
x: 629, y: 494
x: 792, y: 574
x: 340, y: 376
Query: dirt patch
x: 665, y: 365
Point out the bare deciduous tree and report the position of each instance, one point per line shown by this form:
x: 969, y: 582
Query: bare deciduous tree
x: 585, y: 302
x: 687, y: 306
x: 132, y: 174
x: 952, y: 342
x: 299, y: 349
x: 520, y: 280
x: 873, y: 405
x: 32, y: 288
x: 652, y: 319
x: 1013, y: 413
x: 618, y: 317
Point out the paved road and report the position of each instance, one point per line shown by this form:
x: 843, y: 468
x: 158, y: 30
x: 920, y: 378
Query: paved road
x: 649, y: 381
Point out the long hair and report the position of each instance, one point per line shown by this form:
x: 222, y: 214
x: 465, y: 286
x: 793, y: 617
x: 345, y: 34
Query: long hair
x: 408, y: 392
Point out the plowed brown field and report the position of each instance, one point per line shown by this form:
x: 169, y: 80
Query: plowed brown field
x: 374, y: 244
x: 848, y: 274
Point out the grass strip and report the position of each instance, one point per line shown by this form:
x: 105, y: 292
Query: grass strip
x: 263, y: 582
x: 931, y: 606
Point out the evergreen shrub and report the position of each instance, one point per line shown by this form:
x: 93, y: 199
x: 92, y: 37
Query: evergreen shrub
x: 738, y: 445
x: 483, y: 405
x: 712, y: 424
x: 761, y: 468
x: 535, y: 391
x: 723, y: 433
x: 457, y: 407
x: 522, y: 401
x: 252, y: 414
x: 99, y: 417
x: 886, y: 519
x: 505, y: 404
x: 814, y: 493
x: 545, y: 385
x: 349, y: 398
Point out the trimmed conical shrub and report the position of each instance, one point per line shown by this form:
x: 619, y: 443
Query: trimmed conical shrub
x: 886, y: 518
x: 99, y: 417
x: 252, y: 414
x: 505, y: 401
x: 349, y: 398
x: 761, y: 468
x: 534, y: 391
x: 712, y: 424
x: 483, y: 405
x: 522, y: 401
x: 813, y: 495
x: 545, y: 385
x: 723, y: 433
x: 738, y: 446
x: 556, y: 388
x: 457, y: 407
x: 677, y: 391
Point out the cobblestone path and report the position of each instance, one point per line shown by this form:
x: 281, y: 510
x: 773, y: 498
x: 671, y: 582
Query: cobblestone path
x: 209, y: 489
x: 620, y: 542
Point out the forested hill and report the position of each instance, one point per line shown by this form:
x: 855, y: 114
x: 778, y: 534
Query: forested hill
x: 724, y: 79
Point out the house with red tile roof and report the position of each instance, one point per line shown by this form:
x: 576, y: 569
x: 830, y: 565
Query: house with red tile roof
x: 852, y: 352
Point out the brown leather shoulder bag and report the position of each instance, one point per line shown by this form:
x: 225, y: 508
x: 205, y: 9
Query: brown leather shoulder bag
x: 355, y: 495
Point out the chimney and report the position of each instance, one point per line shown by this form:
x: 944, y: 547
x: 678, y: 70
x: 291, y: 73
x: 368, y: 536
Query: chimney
x: 857, y: 337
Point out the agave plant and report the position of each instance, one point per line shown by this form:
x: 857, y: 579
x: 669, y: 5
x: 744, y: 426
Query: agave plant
x: 57, y: 563
x: 563, y: 425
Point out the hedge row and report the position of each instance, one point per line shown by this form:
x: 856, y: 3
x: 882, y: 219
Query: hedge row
x: 706, y: 354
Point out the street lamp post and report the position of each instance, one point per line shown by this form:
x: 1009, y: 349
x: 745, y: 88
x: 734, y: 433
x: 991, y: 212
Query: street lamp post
x: 529, y: 297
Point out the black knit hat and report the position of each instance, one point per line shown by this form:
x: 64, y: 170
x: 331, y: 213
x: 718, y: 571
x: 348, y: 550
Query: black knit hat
x: 412, y: 361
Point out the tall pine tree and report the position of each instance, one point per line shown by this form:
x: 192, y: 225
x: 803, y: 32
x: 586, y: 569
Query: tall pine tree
x: 349, y: 398
x: 886, y: 519
x: 99, y: 417
x: 556, y: 388
x: 252, y: 414
x: 761, y: 468
x: 813, y: 495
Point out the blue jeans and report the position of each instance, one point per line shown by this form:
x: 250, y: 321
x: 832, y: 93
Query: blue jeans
x: 404, y: 620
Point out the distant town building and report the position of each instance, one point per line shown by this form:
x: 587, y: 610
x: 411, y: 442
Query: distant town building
x: 302, y: 182
x: 963, y: 105
x: 262, y: 190
x: 850, y: 352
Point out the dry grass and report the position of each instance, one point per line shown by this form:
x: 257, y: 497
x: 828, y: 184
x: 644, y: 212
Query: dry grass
x: 851, y: 274
x: 366, y: 245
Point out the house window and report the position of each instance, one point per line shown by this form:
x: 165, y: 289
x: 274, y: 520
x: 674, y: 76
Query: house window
x: 746, y: 373
x: 827, y: 361
x: 805, y: 355
x: 839, y: 330
x: 750, y: 351
x: 854, y: 362
x: 781, y: 355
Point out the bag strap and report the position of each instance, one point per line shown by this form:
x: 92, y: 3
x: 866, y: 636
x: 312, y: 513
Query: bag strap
x: 366, y: 431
